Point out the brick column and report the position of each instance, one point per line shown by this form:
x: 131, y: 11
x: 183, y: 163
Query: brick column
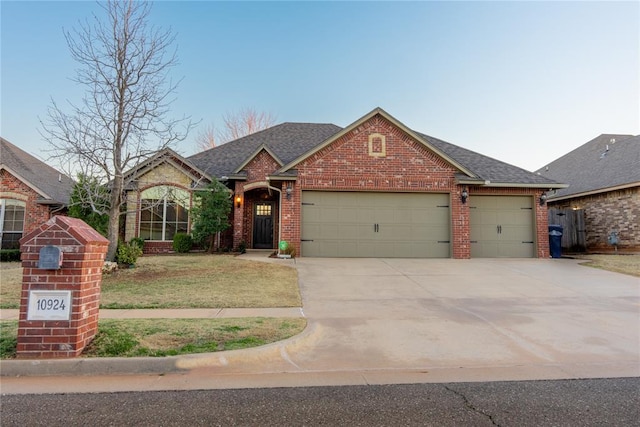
x: 460, y: 226
x: 238, y: 215
x: 291, y: 226
x: 542, y: 226
x: 43, y: 332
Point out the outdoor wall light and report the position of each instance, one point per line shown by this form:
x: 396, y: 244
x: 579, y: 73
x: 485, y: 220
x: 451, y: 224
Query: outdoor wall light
x: 289, y: 191
x: 238, y: 201
x: 464, y: 196
x: 543, y: 199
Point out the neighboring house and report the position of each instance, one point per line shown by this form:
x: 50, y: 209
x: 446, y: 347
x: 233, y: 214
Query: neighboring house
x: 373, y: 189
x: 604, y: 191
x: 30, y: 194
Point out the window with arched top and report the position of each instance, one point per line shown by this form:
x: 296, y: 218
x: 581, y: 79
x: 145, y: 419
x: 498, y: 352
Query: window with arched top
x: 164, y: 212
x: 11, y: 223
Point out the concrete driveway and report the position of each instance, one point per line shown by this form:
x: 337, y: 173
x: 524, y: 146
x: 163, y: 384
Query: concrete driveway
x: 549, y: 318
x: 406, y: 320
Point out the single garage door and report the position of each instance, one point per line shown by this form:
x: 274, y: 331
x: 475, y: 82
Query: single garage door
x: 375, y: 225
x: 501, y: 226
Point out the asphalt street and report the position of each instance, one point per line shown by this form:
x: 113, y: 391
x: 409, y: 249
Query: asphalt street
x: 590, y: 402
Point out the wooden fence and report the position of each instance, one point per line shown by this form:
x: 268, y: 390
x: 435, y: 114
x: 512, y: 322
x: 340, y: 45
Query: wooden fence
x: 574, y: 230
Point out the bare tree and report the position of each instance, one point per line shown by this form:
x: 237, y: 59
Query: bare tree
x: 236, y: 125
x: 124, y: 65
x: 206, y: 138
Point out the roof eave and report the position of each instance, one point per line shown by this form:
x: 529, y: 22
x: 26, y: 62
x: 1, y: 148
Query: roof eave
x: 50, y: 202
x: 181, y: 162
x: 592, y: 192
x: 548, y: 186
x: 463, y: 180
x: 42, y: 194
x: 237, y: 177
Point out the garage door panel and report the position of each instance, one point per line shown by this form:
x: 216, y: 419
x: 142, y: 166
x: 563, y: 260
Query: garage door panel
x: 515, y: 233
x: 515, y: 250
x: 502, y: 226
x: 375, y: 224
x: 484, y: 249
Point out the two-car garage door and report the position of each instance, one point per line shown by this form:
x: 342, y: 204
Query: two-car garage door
x: 384, y: 225
x: 412, y: 225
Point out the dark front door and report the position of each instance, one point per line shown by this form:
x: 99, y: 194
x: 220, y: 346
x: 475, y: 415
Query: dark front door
x: 263, y: 226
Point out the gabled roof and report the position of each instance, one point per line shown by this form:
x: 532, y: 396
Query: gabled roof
x: 262, y: 147
x: 291, y: 143
x: 52, y: 186
x: 377, y: 111
x: 286, y: 141
x: 607, y: 162
x: 169, y: 156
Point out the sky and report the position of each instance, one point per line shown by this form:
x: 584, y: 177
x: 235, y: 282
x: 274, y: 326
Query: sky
x: 522, y: 82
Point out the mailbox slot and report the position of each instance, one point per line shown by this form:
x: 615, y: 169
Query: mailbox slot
x: 50, y: 258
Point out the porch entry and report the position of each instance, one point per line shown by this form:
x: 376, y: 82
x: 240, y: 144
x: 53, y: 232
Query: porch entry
x: 263, y: 225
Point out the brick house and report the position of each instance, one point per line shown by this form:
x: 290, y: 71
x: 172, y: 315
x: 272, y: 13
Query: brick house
x: 373, y: 189
x: 603, y: 195
x: 31, y: 193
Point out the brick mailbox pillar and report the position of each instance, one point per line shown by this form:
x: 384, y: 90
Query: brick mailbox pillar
x: 62, y: 272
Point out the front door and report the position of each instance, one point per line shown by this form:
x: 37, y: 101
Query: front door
x: 263, y: 225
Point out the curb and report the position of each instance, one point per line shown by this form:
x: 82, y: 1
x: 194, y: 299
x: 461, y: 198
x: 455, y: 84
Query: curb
x: 157, y: 365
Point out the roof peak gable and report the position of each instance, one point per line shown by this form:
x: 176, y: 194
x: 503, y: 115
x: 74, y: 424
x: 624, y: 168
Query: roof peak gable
x: 373, y: 113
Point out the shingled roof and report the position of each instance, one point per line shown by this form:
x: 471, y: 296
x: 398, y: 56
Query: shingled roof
x: 290, y: 143
x: 488, y: 169
x: 287, y: 141
x: 606, y: 162
x: 52, y: 186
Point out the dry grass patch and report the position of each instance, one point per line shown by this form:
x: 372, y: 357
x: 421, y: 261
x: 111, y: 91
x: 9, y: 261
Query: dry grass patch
x: 10, y: 284
x: 626, y: 264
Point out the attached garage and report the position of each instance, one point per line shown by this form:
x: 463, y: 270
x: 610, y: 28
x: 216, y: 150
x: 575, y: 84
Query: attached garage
x: 502, y: 226
x: 371, y: 224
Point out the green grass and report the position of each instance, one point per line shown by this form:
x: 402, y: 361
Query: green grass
x: 171, y: 337
x: 8, y: 338
x: 183, y: 281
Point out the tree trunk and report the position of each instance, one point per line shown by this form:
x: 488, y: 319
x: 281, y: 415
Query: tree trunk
x: 114, y: 217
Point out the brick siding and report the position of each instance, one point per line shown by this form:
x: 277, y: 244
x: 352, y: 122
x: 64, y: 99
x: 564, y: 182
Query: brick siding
x: 35, y: 213
x: 606, y: 212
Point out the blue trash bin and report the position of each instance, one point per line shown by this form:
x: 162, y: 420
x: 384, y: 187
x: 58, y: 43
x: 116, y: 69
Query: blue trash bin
x: 555, y: 240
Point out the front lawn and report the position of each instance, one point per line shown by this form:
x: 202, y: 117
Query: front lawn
x: 171, y: 337
x: 183, y: 281
x: 178, y: 281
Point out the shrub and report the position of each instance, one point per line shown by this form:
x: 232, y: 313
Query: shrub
x: 242, y: 247
x: 182, y: 242
x: 128, y: 253
x: 138, y: 241
x: 8, y: 255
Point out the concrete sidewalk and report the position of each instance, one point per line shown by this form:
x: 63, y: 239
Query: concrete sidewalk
x: 183, y: 313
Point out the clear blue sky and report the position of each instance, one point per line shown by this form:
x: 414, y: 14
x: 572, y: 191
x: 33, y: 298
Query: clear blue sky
x: 523, y: 82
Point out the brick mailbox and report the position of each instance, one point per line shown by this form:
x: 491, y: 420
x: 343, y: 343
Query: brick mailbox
x: 62, y: 273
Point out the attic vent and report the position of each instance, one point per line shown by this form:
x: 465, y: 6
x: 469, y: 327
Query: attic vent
x: 377, y: 145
